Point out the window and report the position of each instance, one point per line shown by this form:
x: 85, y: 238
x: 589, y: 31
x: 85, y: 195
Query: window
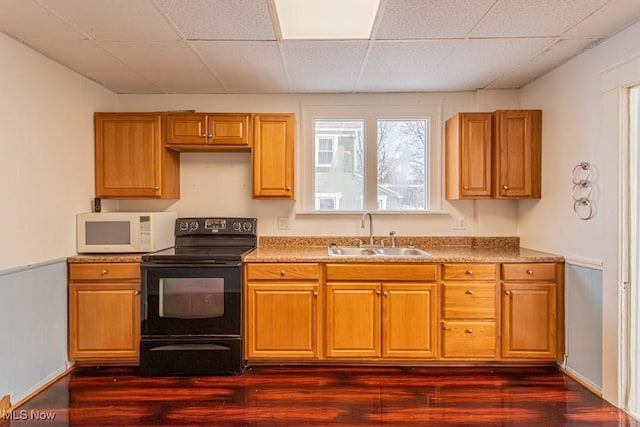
x: 377, y: 158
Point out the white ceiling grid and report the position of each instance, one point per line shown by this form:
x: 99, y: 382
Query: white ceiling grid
x: 234, y: 46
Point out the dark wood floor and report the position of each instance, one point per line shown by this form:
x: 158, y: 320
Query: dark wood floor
x: 296, y: 396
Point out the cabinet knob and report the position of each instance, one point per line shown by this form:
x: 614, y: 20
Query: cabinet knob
x: 530, y: 272
x: 204, y: 135
x: 282, y: 273
x: 466, y: 187
x: 156, y: 188
x: 385, y: 293
x: 104, y: 272
x: 507, y: 292
x: 136, y: 292
x: 288, y: 188
x: 315, y: 293
x: 469, y: 292
x: 469, y: 272
x: 210, y: 136
x: 468, y: 331
x: 504, y: 187
x: 377, y: 292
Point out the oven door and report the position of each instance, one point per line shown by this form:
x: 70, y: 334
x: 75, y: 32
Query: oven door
x: 195, y: 300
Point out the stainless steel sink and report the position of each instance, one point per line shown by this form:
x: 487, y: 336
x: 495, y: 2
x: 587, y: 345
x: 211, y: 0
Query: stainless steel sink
x: 353, y: 251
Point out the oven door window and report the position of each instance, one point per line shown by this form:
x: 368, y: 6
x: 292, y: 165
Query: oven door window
x: 191, y: 298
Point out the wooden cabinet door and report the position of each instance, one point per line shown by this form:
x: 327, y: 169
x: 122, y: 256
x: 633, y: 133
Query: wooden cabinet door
x: 131, y: 161
x: 273, y: 156
x: 282, y: 320
x: 186, y: 128
x: 352, y: 320
x: 229, y: 129
x: 518, y: 141
x: 409, y: 320
x: 529, y: 320
x: 468, y: 156
x: 104, y: 322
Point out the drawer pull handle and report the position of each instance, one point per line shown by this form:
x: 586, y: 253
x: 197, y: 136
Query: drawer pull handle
x: 468, y: 331
x: 507, y: 292
x: 530, y: 272
x: 469, y: 292
x: 470, y: 272
x: 105, y: 271
x: 282, y: 273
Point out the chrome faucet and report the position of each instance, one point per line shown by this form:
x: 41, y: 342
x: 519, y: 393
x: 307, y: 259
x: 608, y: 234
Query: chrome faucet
x: 370, y: 226
x: 392, y: 236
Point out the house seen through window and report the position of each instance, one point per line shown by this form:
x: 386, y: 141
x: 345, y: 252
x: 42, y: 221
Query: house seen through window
x: 371, y: 164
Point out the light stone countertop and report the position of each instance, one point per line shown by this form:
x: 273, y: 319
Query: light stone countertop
x: 104, y: 258
x: 441, y: 249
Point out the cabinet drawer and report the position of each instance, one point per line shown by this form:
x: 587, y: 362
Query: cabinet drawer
x: 469, y: 301
x: 531, y: 271
x: 104, y: 271
x: 382, y: 272
x: 469, y: 272
x: 283, y: 271
x: 469, y: 339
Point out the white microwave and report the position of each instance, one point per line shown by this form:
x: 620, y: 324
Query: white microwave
x: 124, y: 232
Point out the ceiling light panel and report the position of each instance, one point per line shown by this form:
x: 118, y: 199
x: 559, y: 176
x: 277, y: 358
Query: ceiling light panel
x: 326, y: 19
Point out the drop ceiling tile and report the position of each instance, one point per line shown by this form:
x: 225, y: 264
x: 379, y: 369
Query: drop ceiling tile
x: 244, y: 66
x: 539, y: 18
x: 324, y: 66
x: 552, y: 57
x: 403, y: 66
x: 611, y: 18
x: 27, y: 20
x: 426, y: 19
x: 116, y: 20
x: 476, y: 63
x: 220, y: 19
x: 171, y: 66
x: 90, y: 60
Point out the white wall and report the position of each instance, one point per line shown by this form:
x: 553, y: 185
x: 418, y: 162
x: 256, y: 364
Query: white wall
x: 580, y: 123
x: 46, y: 159
x: 46, y: 146
x: 220, y: 183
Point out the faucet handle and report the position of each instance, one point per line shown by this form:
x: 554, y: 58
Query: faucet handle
x: 359, y: 243
x: 382, y: 242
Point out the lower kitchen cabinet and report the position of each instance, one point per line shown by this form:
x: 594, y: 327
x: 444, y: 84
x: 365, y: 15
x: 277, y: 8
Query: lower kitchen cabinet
x: 104, y: 313
x: 393, y: 317
x: 469, y: 308
x: 282, y: 311
x: 529, y: 311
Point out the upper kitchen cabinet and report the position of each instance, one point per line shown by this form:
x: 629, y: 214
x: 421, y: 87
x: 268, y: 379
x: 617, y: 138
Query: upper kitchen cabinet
x: 273, y: 156
x: 517, y: 154
x: 468, y: 156
x: 206, y: 131
x: 494, y: 155
x: 131, y: 160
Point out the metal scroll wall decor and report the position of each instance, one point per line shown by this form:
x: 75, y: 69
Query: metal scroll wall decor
x: 582, y: 191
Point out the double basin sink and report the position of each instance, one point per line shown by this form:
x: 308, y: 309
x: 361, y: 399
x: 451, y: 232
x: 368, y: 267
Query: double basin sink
x: 354, y: 251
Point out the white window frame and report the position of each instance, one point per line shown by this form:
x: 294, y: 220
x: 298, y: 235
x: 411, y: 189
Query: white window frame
x: 333, y: 196
x: 370, y: 113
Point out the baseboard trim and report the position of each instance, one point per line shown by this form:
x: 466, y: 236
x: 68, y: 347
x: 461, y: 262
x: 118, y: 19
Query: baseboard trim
x: 40, y: 389
x: 581, y: 381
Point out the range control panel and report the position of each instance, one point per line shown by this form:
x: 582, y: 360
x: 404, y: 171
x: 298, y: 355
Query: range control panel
x: 212, y: 226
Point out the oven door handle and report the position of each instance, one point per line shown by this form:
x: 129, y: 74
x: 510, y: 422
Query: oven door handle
x: 182, y: 347
x: 208, y: 264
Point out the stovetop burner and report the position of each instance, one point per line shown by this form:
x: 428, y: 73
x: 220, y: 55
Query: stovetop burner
x: 205, y: 240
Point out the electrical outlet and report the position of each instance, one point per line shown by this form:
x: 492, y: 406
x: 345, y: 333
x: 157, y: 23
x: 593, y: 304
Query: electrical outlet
x: 459, y: 223
x: 283, y: 223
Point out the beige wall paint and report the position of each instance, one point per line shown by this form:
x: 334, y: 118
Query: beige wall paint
x: 220, y: 183
x: 581, y: 123
x: 46, y: 139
